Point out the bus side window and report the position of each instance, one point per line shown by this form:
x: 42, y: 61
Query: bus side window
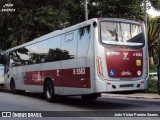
x: 14, y: 59
x: 32, y: 53
x: 83, y: 41
x: 23, y: 55
x: 69, y: 36
x: 69, y: 45
x: 54, y: 50
x: 42, y: 51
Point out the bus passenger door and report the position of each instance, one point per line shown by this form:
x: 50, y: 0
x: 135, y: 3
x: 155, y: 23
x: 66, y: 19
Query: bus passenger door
x: 1, y: 74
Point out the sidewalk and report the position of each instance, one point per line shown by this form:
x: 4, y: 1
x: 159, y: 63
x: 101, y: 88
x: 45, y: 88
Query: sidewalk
x: 135, y: 95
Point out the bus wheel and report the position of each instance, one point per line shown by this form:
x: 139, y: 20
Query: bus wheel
x: 90, y: 96
x: 49, y: 92
x: 13, y: 86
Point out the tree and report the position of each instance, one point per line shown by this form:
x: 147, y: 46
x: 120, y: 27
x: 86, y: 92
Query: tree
x: 155, y: 4
x: 153, y: 38
x: 34, y: 18
x: 131, y: 9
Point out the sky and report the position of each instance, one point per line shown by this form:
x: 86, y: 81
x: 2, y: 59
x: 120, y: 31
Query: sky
x: 153, y: 12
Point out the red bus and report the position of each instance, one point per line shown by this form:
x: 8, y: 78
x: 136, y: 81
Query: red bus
x: 93, y: 57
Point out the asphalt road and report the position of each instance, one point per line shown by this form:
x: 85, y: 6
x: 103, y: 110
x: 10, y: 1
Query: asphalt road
x: 68, y: 108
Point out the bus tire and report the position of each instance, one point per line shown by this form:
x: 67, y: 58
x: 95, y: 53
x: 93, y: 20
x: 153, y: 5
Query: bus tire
x: 90, y: 97
x: 49, y: 91
x: 13, y: 86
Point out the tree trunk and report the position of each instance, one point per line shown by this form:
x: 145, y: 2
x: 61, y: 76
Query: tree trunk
x: 151, y: 61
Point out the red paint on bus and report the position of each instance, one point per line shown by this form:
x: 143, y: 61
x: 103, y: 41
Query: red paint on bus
x: 61, y: 78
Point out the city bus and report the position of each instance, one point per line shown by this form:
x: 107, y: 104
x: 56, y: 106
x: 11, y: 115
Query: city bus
x: 96, y: 56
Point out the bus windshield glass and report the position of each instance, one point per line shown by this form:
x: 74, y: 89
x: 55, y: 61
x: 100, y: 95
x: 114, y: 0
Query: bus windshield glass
x: 120, y: 33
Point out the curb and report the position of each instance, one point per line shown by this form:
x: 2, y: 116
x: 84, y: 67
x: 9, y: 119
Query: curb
x: 135, y: 96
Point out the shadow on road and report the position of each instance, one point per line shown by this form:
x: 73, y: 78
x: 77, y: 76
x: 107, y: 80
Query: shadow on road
x: 99, y: 104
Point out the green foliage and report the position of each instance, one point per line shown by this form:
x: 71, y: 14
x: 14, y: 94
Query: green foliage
x: 152, y: 86
x: 152, y: 68
x: 153, y: 31
x: 152, y: 82
x: 155, y: 4
x: 34, y: 18
x: 129, y: 9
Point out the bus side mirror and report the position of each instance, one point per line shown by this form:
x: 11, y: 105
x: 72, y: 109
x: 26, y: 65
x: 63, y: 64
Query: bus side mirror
x: 2, y: 59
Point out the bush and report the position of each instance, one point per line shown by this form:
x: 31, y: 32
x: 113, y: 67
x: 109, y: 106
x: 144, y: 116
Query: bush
x: 152, y: 68
x: 152, y: 82
x: 152, y: 86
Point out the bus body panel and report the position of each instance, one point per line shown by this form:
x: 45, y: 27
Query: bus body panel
x: 65, y: 74
x: 126, y: 81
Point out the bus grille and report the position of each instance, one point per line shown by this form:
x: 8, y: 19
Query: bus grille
x: 126, y: 85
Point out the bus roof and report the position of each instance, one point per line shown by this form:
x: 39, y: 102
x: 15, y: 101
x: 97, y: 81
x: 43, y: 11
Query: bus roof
x: 65, y: 30
x: 53, y: 34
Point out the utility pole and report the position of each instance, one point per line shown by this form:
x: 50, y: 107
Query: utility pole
x: 145, y: 12
x: 86, y: 9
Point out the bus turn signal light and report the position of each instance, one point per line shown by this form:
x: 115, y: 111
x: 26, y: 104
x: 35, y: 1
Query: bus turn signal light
x: 99, y: 67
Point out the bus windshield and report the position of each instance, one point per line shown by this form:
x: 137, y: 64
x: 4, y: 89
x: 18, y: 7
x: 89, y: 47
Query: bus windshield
x: 120, y: 33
